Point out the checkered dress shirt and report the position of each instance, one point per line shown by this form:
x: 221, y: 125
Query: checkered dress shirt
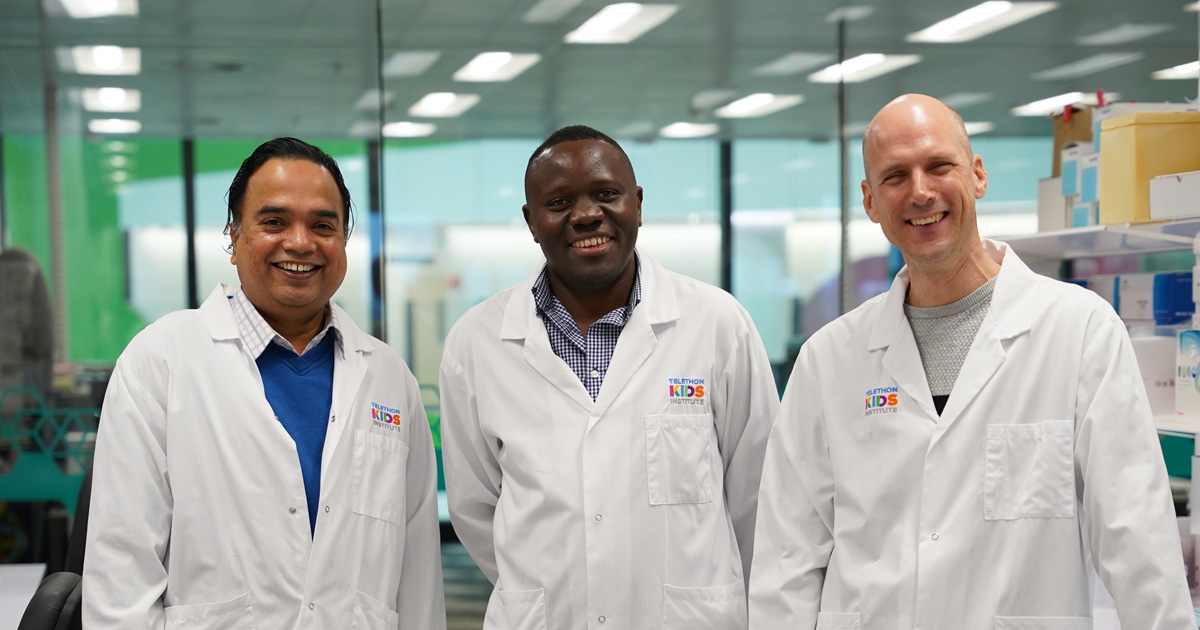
x: 587, y: 356
x: 257, y: 333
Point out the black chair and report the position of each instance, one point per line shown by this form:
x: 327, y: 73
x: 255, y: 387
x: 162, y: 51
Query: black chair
x: 56, y: 605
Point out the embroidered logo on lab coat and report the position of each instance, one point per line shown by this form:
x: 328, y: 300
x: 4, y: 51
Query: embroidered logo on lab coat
x: 385, y: 416
x: 685, y: 391
x: 882, y: 400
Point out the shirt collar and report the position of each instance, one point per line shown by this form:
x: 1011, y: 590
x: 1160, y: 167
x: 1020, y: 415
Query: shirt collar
x: 257, y: 333
x: 545, y: 300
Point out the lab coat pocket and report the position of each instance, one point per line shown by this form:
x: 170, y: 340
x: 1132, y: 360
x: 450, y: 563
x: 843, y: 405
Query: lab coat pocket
x: 372, y: 614
x: 379, y: 471
x: 838, y: 621
x: 677, y: 458
x: 1029, y: 471
x: 709, y: 608
x: 235, y: 613
x: 1043, y: 623
x: 524, y: 610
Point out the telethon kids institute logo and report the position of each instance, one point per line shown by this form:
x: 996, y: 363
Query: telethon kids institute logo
x: 685, y: 391
x: 882, y: 400
x: 385, y: 416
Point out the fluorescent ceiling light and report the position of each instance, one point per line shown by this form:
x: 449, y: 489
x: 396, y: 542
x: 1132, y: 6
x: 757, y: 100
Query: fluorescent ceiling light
x: 1122, y: 34
x: 1193, y: 7
x: 118, y: 161
x: 111, y: 99
x: 707, y: 99
x: 620, y: 23
x: 637, y: 129
x: 1084, y: 67
x: 101, y: 60
x: 82, y: 9
x: 863, y: 68
x: 980, y: 20
x: 792, y: 63
x: 119, y: 177
x: 114, y: 125
x: 443, y: 105
x: 405, y: 129
x: 496, y: 66
x: 546, y: 11
x: 849, y: 14
x: 370, y: 100
x: 688, y: 130
x: 363, y: 129
x: 409, y: 63
x: 978, y: 127
x: 1182, y: 71
x: 759, y: 104
x: 1056, y: 104
x: 963, y: 100
x: 116, y: 146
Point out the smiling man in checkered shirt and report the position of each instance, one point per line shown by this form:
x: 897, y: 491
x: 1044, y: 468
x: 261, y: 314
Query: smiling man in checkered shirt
x: 603, y: 422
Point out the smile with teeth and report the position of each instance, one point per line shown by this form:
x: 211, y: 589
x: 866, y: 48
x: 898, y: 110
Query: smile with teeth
x: 927, y: 220
x: 591, y: 242
x: 299, y: 267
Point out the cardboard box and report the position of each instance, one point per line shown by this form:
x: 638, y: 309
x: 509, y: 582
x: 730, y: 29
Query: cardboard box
x: 1089, y: 178
x: 1173, y: 196
x: 1072, y: 156
x: 1138, y: 147
x: 1108, y: 112
x: 1052, y: 206
x: 1076, y: 131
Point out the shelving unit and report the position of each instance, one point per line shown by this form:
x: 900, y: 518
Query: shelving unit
x: 1107, y: 240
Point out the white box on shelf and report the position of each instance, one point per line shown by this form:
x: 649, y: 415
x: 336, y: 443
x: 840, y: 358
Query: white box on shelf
x: 1052, y: 206
x: 1089, y: 178
x: 1156, y: 361
x: 1069, y: 173
x: 1175, y: 196
x: 1084, y: 214
x: 1187, y: 365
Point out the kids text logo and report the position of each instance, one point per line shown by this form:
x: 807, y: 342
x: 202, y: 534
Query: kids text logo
x: 685, y: 391
x: 385, y: 416
x: 882, y: 400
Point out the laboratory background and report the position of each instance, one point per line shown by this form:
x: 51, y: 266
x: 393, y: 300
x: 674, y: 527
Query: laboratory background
x: 122, y: 123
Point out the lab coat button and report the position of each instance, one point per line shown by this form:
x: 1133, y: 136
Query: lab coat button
x: 601, y: 619
x: 311, y: 606
x: 326, y: 509
x: 595, y: 373
x: 599, y: 517
x: 291, y: 510
x: 334, y: 419
x: 934, y: 536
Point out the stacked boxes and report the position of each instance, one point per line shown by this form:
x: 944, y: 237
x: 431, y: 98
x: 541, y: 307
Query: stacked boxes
x: 1137, y: 148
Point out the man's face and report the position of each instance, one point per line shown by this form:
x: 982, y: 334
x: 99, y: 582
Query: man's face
x: 922, y: 183
x: 290, y: 248
x: 583, y: 206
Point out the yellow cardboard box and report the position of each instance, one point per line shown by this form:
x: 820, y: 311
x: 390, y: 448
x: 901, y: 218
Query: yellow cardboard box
x: 1138, y: 147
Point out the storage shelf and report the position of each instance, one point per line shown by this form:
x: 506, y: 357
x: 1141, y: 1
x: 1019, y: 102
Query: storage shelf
x: 1107, y: 240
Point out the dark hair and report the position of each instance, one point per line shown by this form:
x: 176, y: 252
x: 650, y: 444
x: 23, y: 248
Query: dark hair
x: 570, y: 134
x: 284, y: 149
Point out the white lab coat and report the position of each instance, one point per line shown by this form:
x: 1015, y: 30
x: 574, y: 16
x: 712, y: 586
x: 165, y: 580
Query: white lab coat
x: 635, y: 511
x: 198, y: 513
x: 1044, y: 459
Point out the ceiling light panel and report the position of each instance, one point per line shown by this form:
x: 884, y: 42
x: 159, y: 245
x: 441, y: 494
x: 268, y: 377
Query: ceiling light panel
x: 409, y: 63
x: 963, y: 100
x: 979, y: 20
x: 793, y: 63
x: 111, y: 60
x: 546, y: 11
x: 496, y: 66
x: 1193, y: 7
x: 1087, y: 66
x: 863, y: 68
x: 974, y: 128
x: 688, y: 130
x: 443, y: 105
x: 1182, y: 71
x: 114, y: 125
x: 1122, y: 34
x: 620, y: 23
x: 370, y: 100
x: 111, y: 99
x: 406, y: 129
x: 83, y: 9
x: 758, y: 105
x: 1054, y: 104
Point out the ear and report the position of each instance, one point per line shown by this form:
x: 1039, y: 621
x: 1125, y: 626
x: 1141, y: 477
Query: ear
x: 529, y: 221
x: 233, y: 239
x: 981, y: 177
x: 869, y: 202
x: 639, y: 206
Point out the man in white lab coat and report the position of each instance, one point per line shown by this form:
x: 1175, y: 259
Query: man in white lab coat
x: 968, y: 449
x: 603, y: 421
x: 261, y: 462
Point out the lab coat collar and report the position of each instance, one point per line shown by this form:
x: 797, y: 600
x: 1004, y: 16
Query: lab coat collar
x: 218, y: 317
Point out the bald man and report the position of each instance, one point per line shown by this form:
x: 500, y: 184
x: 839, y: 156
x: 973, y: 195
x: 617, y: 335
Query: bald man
x: 970, y: 449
